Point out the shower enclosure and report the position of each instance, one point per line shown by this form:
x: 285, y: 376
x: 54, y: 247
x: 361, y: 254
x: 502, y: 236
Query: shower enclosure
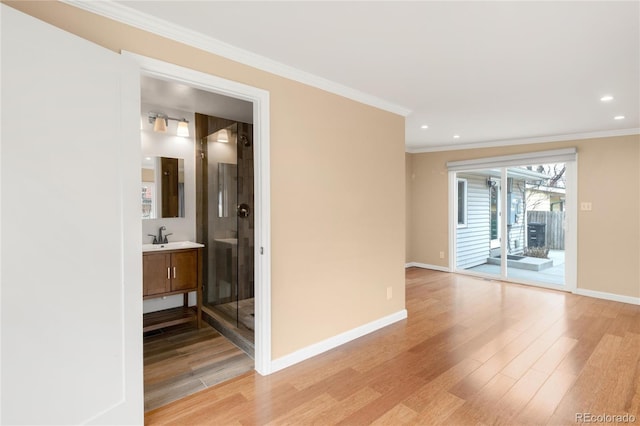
x: 225, y: 224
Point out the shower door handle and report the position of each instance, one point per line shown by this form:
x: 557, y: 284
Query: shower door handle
x: 244, y: 210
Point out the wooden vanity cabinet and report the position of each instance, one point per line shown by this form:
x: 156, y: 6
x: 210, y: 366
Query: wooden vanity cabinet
x: 168, y: 273
x: 155, y: 274
x: 184, y: 270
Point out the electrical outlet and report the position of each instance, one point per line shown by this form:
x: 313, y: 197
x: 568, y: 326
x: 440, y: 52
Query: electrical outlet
x: 389, y: 292
x: 586, y: 206
x: 441, y: 255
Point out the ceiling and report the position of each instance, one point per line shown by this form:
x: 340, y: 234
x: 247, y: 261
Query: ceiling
x: 489, y: 72
x: 181, y: 97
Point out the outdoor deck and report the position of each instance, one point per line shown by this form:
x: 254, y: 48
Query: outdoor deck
x: 552, y: 275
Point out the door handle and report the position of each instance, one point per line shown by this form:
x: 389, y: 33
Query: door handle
x: 174, y: 272
x: 168, y: 273
x: 244, y: 210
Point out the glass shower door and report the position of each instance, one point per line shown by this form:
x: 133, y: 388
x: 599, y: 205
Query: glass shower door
x: 229, y: 291
x: 223, y: 278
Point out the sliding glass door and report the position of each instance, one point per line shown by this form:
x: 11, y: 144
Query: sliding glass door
x: 512, y: 221
x: 536, y: 222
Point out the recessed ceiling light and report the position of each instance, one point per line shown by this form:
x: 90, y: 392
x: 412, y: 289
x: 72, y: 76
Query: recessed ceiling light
x: 424, y: 126
x: 456, y: 136
x: 619, y: 117
x: 606, y: 98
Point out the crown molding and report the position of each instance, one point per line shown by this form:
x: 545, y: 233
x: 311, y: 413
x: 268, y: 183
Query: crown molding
x: 143, y: 21
x: 527, y: 141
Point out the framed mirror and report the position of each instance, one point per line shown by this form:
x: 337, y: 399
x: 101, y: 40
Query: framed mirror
x: 162, y: 187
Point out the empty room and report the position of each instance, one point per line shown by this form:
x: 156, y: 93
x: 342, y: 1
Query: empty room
x: 350, y: 213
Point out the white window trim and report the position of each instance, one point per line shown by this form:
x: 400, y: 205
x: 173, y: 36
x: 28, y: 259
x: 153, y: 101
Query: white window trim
x: 542, y: 157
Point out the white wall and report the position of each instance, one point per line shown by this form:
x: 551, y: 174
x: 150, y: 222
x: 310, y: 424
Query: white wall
x: 169, y: 145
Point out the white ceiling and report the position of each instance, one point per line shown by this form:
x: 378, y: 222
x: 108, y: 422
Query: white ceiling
x: 186, y: 98
x: 487, y: 71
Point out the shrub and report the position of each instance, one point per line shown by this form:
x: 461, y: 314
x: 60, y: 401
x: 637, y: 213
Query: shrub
x: 541, y: 252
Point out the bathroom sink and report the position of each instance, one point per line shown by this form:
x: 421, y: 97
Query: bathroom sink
x: 177, y: 245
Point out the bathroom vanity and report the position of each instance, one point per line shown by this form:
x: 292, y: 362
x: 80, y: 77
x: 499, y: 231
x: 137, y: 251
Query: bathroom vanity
x: 172, y: 269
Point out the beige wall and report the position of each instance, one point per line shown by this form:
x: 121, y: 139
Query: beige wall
x: 337, y: 189
x: 608, y: 236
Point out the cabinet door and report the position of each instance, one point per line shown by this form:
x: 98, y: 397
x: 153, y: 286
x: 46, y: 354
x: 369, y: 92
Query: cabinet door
x: 156, y: 274
x: 184, y: 272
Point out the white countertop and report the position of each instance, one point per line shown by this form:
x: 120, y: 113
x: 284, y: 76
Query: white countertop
x: 177, y: 245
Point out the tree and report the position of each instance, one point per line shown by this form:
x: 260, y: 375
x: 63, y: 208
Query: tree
x: 556, y: 173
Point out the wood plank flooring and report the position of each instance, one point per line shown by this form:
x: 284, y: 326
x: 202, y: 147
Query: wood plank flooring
x: 181, y: 360
x: 471, y: 352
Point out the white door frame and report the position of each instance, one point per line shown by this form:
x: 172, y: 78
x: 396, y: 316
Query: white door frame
x: 260, y: 100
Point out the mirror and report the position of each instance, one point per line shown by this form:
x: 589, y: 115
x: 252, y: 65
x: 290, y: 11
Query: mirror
x: 162, y: 187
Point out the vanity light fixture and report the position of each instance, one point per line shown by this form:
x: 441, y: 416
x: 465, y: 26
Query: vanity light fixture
x: 619, y: 117
x: 160, y: 122
x: 456, y: 136
x: 424, y: 126
x: 183, y: 128
x: 606, y: 98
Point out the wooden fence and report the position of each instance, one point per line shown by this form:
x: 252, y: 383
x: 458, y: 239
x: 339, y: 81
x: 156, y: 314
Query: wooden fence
x: 554, y: 232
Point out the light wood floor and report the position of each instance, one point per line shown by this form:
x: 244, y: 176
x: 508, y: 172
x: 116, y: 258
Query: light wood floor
x: 471, y: 352
x: 181, y: 360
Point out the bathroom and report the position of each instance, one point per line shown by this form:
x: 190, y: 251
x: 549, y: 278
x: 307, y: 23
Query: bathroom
x: 214, y: 209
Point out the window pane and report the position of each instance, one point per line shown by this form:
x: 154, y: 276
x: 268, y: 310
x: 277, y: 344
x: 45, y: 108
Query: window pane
x: 493, y: 212
x: 461, y: 202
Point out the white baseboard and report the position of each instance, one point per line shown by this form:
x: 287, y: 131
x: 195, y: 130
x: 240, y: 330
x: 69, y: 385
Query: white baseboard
x: 427, y: 266
x: 607, y: 296
x: 335, y: 341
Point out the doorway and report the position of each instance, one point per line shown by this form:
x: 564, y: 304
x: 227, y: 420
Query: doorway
x: 182, y: 355
x: 262, y: 262
x: 515, y: 218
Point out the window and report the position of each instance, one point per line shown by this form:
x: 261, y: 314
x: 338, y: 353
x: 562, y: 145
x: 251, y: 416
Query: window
x: 462, y: 202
